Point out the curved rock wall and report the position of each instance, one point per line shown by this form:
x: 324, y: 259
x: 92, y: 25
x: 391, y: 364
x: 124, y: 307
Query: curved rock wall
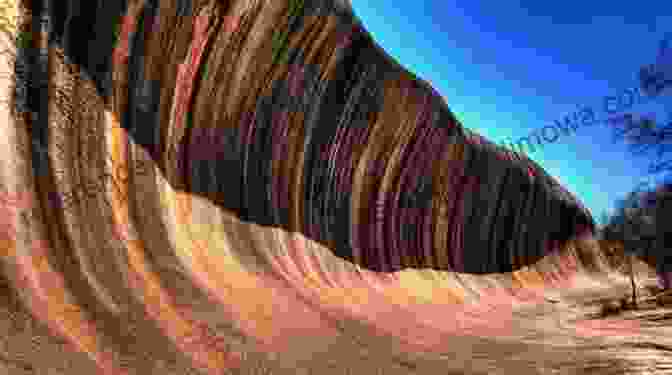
x: 312, y: 128
x: 265, y: 171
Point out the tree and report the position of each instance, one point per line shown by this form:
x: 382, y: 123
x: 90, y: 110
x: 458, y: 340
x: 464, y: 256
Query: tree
x: 647, y: 223
x: 640, y: 223
x: 645, y: 133
x: 654, y: 78
x: 633, y: 223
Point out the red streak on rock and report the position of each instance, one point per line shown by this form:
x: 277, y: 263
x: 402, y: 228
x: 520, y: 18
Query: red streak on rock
x: 186, y: 72
x: 231, y: 23
x: 121, y: 53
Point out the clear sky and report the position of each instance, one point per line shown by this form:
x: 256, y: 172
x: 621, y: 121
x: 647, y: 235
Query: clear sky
x: 506, y: 68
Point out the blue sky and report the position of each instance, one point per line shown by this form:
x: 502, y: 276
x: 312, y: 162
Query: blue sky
x: 506, y: 68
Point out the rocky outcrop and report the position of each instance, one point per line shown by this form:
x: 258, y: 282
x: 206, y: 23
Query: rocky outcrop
x: 311, y: 127
x: 263, y: 170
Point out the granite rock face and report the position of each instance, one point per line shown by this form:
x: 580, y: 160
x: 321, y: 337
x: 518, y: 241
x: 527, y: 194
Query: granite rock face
x: 310, y: 126
x: 262, y: 170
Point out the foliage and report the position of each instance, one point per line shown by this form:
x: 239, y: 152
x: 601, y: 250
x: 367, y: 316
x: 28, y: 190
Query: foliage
x: 640, y: 219
x: 645, y: 135
x: 633, y: 222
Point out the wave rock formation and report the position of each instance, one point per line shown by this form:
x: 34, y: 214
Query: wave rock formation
x: 210, y: 186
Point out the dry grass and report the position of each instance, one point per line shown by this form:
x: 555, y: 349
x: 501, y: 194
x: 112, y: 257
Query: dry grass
x: 615, y: 255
